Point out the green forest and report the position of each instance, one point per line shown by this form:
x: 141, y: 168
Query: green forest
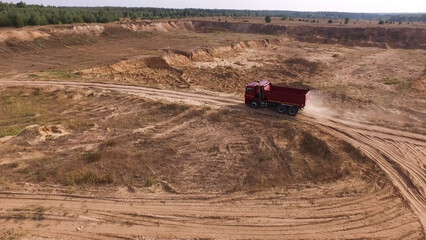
x: 21, y: 14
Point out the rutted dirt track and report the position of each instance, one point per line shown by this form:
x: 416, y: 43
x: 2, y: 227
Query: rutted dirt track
x: 259, y: 216
x: 155, y: 94
x: 400, y: 154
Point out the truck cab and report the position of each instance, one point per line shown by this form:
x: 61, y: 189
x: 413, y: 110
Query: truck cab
x: 255, y: 92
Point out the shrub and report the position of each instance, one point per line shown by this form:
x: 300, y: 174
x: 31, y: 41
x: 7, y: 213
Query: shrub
x: 346, y: 20
x: 330, y: 21
x: 381, y: 22
x: 268, y: 19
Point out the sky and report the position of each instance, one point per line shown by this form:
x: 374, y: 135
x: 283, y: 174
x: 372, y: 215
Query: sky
x: 369, y: 6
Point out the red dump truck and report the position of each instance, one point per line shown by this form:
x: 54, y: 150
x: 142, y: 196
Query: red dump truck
x: 284, y: 99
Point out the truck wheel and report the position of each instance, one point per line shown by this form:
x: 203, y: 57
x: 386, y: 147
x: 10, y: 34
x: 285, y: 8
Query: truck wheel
x: 292, y: 111
x: 281, y: 109
x: 254, y: 104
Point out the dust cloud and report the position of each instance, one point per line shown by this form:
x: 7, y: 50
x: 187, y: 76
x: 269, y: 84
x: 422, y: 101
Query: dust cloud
x: 318, y: 107
x: 321, y: 106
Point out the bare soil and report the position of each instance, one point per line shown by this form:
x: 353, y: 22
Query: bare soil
x: 138, y: 130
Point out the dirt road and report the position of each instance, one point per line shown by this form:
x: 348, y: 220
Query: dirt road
x: 255, y: 216
x: 150, y: 93
x: 401, y: 155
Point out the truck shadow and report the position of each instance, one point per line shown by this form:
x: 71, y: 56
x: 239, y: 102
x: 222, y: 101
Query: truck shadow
x: 266, y: 111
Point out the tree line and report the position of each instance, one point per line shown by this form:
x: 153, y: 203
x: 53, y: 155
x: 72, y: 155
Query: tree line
x: 21, y: 14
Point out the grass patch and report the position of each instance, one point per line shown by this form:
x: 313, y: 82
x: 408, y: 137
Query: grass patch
x: 41, y: 176
x: 315, y: 146
x: 171, y: 149
x: 11, y: 131
x: 27, y: 213
x: 304, y: 65
x: 22, y: 107
x: 354, y: 152
x: 213, y: 149
x: 148, y: 182
x: 39, y: 213
x: 9, y: 234
x: 108, y: 144
x: 218, y: 116
x: 401, y: 83
x: 264, y: 157
x: 91, y: 157
x: 61, y: 74
x: 12, y: 165
x: 86, y: 176
x: 77, y: 124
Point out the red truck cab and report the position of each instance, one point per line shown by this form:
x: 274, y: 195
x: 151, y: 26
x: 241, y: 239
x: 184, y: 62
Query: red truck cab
x: 284, y: 99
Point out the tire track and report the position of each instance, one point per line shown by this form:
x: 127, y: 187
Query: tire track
x: 409, y: 178
x: 400, y: 154
x: 372, y: 218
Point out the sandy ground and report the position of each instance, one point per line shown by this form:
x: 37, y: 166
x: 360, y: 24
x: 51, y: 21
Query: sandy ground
x: 387, y: 147
x: 264, y: 215
x: 371, y: 98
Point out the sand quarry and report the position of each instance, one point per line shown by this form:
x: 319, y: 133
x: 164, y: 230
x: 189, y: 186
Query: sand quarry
x: 138, y: 130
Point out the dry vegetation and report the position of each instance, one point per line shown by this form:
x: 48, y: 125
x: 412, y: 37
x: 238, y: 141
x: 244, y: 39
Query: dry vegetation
x: 95, y: 138
x: 189, y: 146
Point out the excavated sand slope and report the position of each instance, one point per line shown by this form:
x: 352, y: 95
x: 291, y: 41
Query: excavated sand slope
x: 354, y: 36
x: 31, y: 33
x: 411, y: 38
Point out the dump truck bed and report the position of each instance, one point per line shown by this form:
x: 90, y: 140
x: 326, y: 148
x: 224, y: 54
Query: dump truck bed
x: 287, y: 95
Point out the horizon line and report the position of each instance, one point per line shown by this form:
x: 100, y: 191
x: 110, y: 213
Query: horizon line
x: 232, y: 9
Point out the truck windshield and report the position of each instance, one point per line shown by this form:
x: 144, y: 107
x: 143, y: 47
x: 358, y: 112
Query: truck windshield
x: 267, y: 87
x: 249, y: 90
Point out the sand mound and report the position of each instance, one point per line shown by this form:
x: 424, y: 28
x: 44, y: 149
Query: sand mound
x: 135, y: 66
x: 151, y: 71
x: 177, y: 67
x: 31, y: 33
x: 177, y: 60
x: 92, y: 30
x: 149, y: 26
x: 40, y: 133
x: 208, y: 54
x: 22, y: 35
